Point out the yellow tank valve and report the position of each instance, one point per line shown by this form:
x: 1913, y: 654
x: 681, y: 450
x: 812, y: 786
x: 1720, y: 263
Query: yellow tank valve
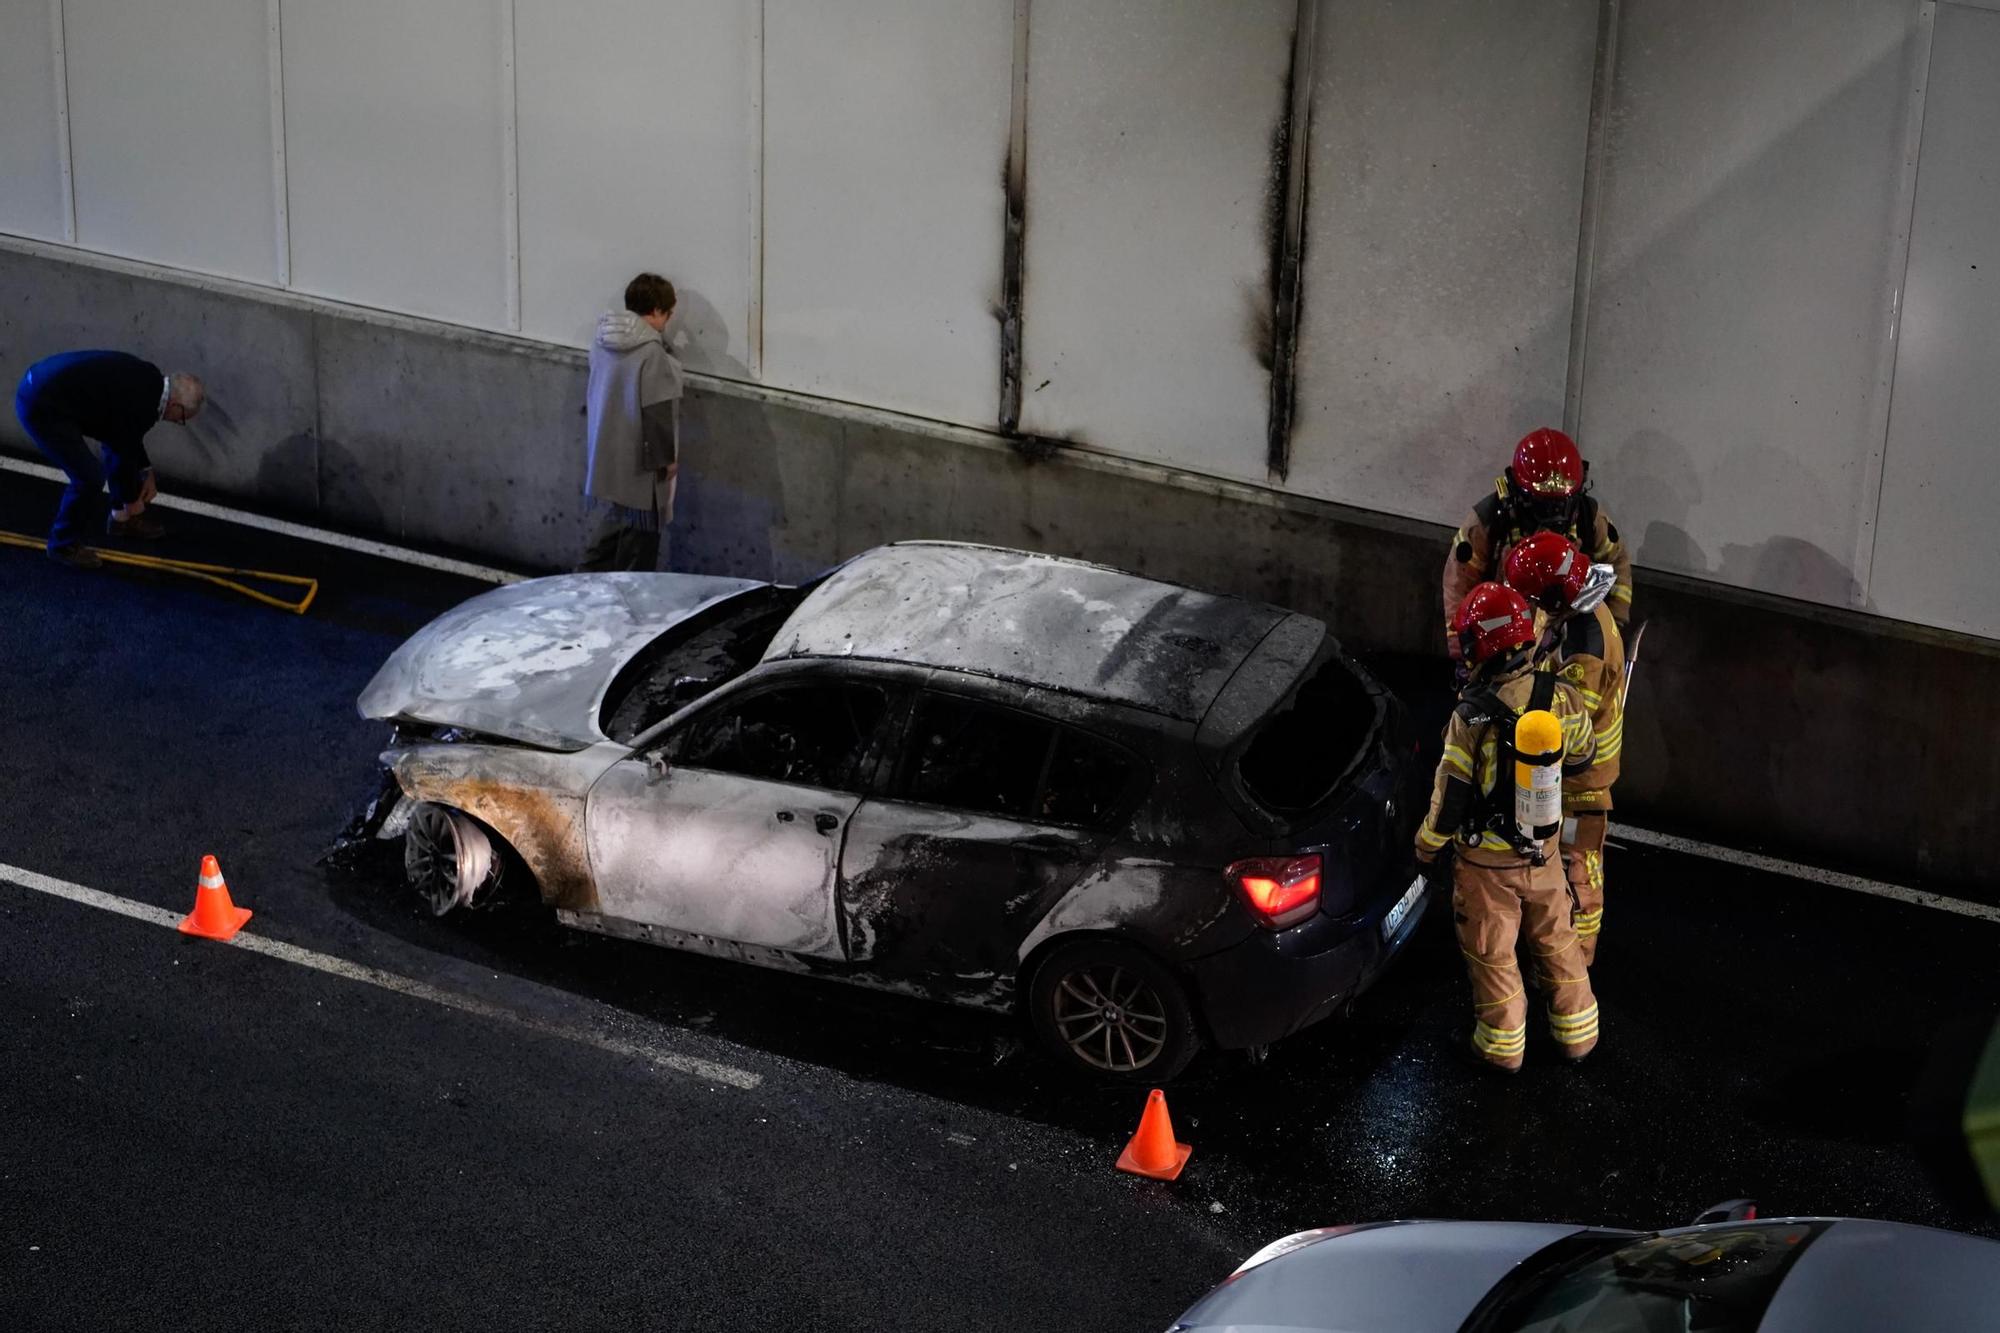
x: 1538, y: 751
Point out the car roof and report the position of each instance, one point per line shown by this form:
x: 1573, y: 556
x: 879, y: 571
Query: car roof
x: 1038, y: 620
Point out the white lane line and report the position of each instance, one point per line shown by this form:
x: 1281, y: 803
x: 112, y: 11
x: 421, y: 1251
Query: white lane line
x: 444, y: 564
x: 712, y: 1071
x: 1792, y: 869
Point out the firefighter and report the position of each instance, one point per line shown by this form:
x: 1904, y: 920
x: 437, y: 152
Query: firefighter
x: 1507, y: 884
x: 1544, y: 490
x: 1583, y: 647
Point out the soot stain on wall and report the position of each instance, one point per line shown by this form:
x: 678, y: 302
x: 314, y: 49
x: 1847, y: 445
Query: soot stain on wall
x: 1273, y: 326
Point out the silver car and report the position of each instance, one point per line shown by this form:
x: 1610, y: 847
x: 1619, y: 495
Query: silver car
x: 1148, y: 817
x: 1784, y: 1275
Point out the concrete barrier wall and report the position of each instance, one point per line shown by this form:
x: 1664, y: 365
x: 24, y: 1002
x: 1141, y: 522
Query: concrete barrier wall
x: 1757, y: 722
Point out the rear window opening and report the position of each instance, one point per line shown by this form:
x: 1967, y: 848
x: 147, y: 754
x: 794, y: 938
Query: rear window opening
x: 694, y: 657
x: 1298, y: 754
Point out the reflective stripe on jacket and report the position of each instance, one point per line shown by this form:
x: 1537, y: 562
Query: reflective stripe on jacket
x: 1591, y: 656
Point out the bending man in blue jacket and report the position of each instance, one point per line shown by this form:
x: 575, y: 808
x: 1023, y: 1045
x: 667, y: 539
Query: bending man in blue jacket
x: 113, y: 398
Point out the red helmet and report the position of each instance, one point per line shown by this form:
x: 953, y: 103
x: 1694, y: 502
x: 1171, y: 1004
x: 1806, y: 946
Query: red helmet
x: 1547, y: 464
x: 1492, y: 619
x: 1548, y: 570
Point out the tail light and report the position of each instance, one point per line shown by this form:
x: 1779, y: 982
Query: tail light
x: 1280, y: 890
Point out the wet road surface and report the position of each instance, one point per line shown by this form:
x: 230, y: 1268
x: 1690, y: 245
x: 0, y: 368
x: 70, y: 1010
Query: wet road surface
x: 190, y: 1133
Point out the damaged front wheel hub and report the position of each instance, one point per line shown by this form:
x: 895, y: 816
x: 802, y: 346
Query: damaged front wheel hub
x: 448, y: 858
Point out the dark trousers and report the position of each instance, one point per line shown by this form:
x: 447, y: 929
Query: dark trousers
x: 82, y: 511
x: 618, y: 545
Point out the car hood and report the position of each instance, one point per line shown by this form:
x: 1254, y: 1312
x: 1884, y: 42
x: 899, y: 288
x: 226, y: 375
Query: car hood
x: 1862, y: 1275
x: 531, y: 662
x: 1406, y: 1277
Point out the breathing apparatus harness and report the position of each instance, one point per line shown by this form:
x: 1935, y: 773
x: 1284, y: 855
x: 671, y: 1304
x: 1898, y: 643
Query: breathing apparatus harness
x: 1509, y: 516
x: 1481, y: 812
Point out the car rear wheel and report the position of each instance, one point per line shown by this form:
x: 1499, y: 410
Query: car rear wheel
x: 1112, y: 1010
x: 449, y: 859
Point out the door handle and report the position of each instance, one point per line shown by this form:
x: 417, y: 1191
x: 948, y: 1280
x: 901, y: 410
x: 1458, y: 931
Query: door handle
x: 825, y: 823
x: 785, y: 816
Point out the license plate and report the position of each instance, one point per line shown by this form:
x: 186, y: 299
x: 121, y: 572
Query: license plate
x: 1404, y: 906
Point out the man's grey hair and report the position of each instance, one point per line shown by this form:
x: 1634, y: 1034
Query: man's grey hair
x: 186, y: 390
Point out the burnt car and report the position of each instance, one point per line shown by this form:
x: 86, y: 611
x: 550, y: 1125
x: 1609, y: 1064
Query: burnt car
x: 1729, y: 1272
x: 1147, y: 817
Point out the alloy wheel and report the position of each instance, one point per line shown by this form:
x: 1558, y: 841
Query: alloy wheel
x: 446, y: 859
x: 1110, y: 1017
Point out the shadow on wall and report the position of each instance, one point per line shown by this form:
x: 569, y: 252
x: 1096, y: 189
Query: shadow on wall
x: 730, y: 503
x: 1656, y: 465
x: 1651, y: 483
x: 1653, y: 479
x: 214, y: 434
x: 289, y: 471
x: 331, y: 482
x: 699, y: 335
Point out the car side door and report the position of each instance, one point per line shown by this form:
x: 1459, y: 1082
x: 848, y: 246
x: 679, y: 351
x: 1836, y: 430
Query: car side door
x: 729, y: 826
x: 989, y: 815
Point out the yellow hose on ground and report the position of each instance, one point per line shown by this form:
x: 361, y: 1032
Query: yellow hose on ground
x: 222, y: 576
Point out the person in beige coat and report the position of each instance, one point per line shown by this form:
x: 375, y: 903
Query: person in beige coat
x: 632, y: 422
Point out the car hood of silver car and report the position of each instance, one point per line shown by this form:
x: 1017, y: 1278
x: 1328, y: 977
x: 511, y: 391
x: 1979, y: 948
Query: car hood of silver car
x: 531, y: 662
x: 1428, y: 1277
x: 1404, y: 1277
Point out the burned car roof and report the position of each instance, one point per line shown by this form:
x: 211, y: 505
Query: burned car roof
x: 1037, y: 619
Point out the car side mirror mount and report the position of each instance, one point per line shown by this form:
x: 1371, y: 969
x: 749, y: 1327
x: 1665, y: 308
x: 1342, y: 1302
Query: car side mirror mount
x: 657, y: 766
x: 1729, y: 1210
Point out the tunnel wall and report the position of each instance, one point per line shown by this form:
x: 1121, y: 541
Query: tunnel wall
x: 1756, y: 721
x: 1747, y: 249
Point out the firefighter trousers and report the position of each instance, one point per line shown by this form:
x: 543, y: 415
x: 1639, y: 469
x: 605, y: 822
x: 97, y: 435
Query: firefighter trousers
x: 1583, y: 863
x: 1495, y: 908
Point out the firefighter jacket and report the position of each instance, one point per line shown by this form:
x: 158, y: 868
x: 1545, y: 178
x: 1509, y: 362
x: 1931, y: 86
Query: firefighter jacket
x: 1469, y: 782
x: 1479, y: 551
x: 1591, y: 656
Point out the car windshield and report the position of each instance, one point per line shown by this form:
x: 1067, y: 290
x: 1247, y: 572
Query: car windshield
x: 1297, y: 755
x: 1711, y: 1281
x: 694, y: 657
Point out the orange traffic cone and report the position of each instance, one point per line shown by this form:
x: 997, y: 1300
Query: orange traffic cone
x: 214, y: 916
x: 1152, y: 1151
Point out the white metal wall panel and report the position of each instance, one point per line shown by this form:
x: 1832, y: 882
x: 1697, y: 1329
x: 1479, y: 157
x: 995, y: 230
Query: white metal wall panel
x: 638, y: 153
x: 1941, y: 490
x: 1150, y: 175
x: 31, y: 202
x: 170, y: 133
x: 885, y: 130
x: 395, y: 130
x: 1743, y: 292
x: 1447, y: 157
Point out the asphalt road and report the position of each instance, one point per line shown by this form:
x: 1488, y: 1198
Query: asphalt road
x: 194, y: 1134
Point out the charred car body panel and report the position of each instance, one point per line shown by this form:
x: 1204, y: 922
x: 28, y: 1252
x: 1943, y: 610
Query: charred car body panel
x: 531, y: 661
x: 1060, y: 624
x: 945, y: 761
